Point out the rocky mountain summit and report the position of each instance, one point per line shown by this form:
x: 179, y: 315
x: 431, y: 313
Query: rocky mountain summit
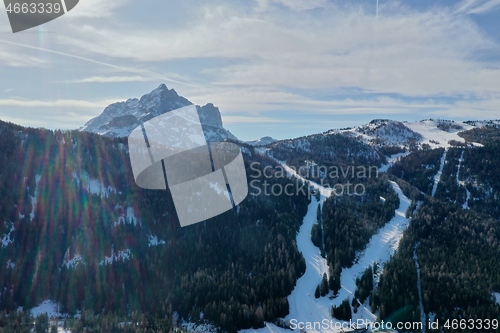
x: 119, y: 119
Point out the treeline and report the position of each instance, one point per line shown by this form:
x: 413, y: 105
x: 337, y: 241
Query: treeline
x: 489, y: 134
x: 327, y: 150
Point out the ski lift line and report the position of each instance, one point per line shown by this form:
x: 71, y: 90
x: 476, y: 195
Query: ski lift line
x: 63, y: 3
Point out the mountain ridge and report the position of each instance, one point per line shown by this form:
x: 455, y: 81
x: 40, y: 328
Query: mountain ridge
x: 120, y: 118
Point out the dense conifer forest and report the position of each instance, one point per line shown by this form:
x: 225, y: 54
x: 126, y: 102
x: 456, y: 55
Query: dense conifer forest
x: 79, y: 232
x: 456, y: 236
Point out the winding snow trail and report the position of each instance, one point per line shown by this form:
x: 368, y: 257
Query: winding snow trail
x: 304, y: 307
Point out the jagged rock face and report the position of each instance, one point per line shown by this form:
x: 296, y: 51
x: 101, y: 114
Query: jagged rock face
x: 119, y: 119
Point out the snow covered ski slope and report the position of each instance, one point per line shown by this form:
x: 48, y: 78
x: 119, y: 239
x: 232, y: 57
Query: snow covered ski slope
x: 304, y: 307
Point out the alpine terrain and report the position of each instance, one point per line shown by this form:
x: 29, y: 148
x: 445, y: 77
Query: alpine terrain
x: 394, y: 222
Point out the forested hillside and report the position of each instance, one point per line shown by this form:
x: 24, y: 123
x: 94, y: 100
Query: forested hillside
x: 78, y: 231
x: 455, y: 237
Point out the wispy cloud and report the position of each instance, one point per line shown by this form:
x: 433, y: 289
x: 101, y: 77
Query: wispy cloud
x: 10, y: 58
x: 113, y: 79
x: 63, y: 103
x: 404, y: 51
x: 23, y: 60
x: 260, y: 59
x: 96, y: 8
x: 250, y: 120
x: 298, y: 5
x: 477, y: 6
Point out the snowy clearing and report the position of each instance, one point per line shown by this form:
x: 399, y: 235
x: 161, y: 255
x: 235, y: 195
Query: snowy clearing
x: 48, y: 307
x: 436, y: 137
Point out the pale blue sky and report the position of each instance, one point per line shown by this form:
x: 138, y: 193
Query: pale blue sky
x: 273, y: 67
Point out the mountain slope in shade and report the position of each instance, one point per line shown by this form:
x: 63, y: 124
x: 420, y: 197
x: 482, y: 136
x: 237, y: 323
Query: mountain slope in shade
x: 119, y: 119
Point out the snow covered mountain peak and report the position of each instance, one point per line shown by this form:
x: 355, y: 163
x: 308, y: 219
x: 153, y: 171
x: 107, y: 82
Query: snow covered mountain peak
x: 119, y: 119
x: 432, y: 133
x: 264, y: 141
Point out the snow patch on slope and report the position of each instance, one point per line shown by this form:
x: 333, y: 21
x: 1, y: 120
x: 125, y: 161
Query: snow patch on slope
x: 93, y: 186
x: 33, y: 198
x: 72, y: 262
x: 48, y: 307
x: 153, y: 241
x: 122, y: 255
x: 10, y: 264
x: 128, y: 218
x: 497, y: 297
x: 5, y: 241
x: 199, y: 328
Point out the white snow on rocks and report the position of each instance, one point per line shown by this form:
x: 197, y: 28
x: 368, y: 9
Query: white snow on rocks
x: 73, y: 262
x: 122, y: 255
x: 128, y: 218
x: 153, y: 241
x: 5, y: 241
x: 497, y: 297
x: 33, y: 198
x: 10, y: 264
x: 197, y: 328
